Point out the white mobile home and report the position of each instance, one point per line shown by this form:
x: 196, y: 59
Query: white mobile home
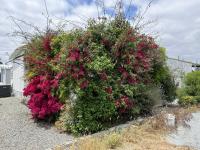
x: 5, y: 80
x: 18, y: 71
x: 5, y: 74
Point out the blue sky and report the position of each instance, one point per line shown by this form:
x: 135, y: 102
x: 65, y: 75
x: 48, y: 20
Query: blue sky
x: 175, y: 23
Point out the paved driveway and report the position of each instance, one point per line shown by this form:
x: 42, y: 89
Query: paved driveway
x: 19, y: 132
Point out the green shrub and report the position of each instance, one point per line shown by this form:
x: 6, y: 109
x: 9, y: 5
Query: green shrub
x: 163, y: 77
x: 187, y: 100
x: 192, y: 83
x: 180, y: 92
x: 92, y: 112
x: 190, y: 93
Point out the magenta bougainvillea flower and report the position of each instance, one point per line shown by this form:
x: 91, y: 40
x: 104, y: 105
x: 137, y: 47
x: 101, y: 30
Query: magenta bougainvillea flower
x: 84, y: 84
x: 46, y: 42
x: 41, y: 103
x: 74, y: 55
x: 109, y: 90
x: 124, y: 104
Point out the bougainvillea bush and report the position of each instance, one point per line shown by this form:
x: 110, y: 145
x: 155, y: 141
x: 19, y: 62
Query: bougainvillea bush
x: 103, y: 72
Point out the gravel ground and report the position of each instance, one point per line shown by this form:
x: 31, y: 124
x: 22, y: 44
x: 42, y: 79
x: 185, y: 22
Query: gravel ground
x: 19, y: 132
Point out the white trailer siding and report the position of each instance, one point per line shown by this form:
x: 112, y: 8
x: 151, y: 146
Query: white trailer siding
x: 18, y: 82
x: 5, y: 74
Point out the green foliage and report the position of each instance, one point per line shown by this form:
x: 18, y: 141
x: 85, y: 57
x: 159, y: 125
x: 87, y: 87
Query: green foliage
x: 92, y: 111
x: 101, y: 63
x: 180, y: 92
x: 188, y: 100
x: 190, y: 93
x: 163, y: 77
x: 192, y: 83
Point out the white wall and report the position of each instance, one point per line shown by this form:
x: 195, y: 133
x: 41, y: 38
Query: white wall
x: 5, y: 71
x: 18, y: 82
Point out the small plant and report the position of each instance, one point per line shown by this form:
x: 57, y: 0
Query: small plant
x: 113, y: 140
x: 188, y: 100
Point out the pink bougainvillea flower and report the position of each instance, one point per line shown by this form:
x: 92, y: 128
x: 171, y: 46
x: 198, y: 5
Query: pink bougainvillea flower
x: 117, y: 103
x: 132, y: 80
x: 59, y: 76
x: 123, y: 104
x: 41, y: 103
x: 121, y: 69
x: 140, y: 54
x: 54, y: 83
x: 141, y: 45
x: 74, y: 55
x: 84, y: 84
x: 108, y: 90
x: 103, y: 76
x: 128, y: 61
x: 154, y: 46
x: 125, y: 74
x: 47, y: 42
x: 146, y: 65
x: 132, y: 39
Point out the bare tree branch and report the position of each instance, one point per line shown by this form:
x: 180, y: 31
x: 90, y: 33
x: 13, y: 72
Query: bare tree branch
x: 48, y: 21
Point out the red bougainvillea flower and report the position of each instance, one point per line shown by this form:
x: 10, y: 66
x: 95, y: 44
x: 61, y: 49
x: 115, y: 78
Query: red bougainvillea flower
x: 123, y: 104
x: 140, y: 54
x: 54, y: 83
x: 117, y: 103
x: 103, y: 76
x: 108, y: 90
x: 41, y: 103
x: 77, y: 71
x: 47, y: 42
x: 32, y: 87
x: 132, y: 39
x: 74, y: 55
x: 84, y: 84
x: 146, y: 65
x: 128, y: 61
x: 153, y: 46
x: 127, y: 102
x: 59, y: 76
x: 132, y: 80
x: 141, y: 45
x: 125, y: 74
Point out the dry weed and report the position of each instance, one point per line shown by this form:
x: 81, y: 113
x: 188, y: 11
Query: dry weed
x: 148, y: 136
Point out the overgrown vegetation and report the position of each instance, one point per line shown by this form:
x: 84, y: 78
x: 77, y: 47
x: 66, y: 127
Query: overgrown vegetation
x: 96, y: 77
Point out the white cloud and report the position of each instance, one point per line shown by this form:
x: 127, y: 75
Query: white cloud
x: 30, y: 11
x: 178, y: 21
x: 178, y: 25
